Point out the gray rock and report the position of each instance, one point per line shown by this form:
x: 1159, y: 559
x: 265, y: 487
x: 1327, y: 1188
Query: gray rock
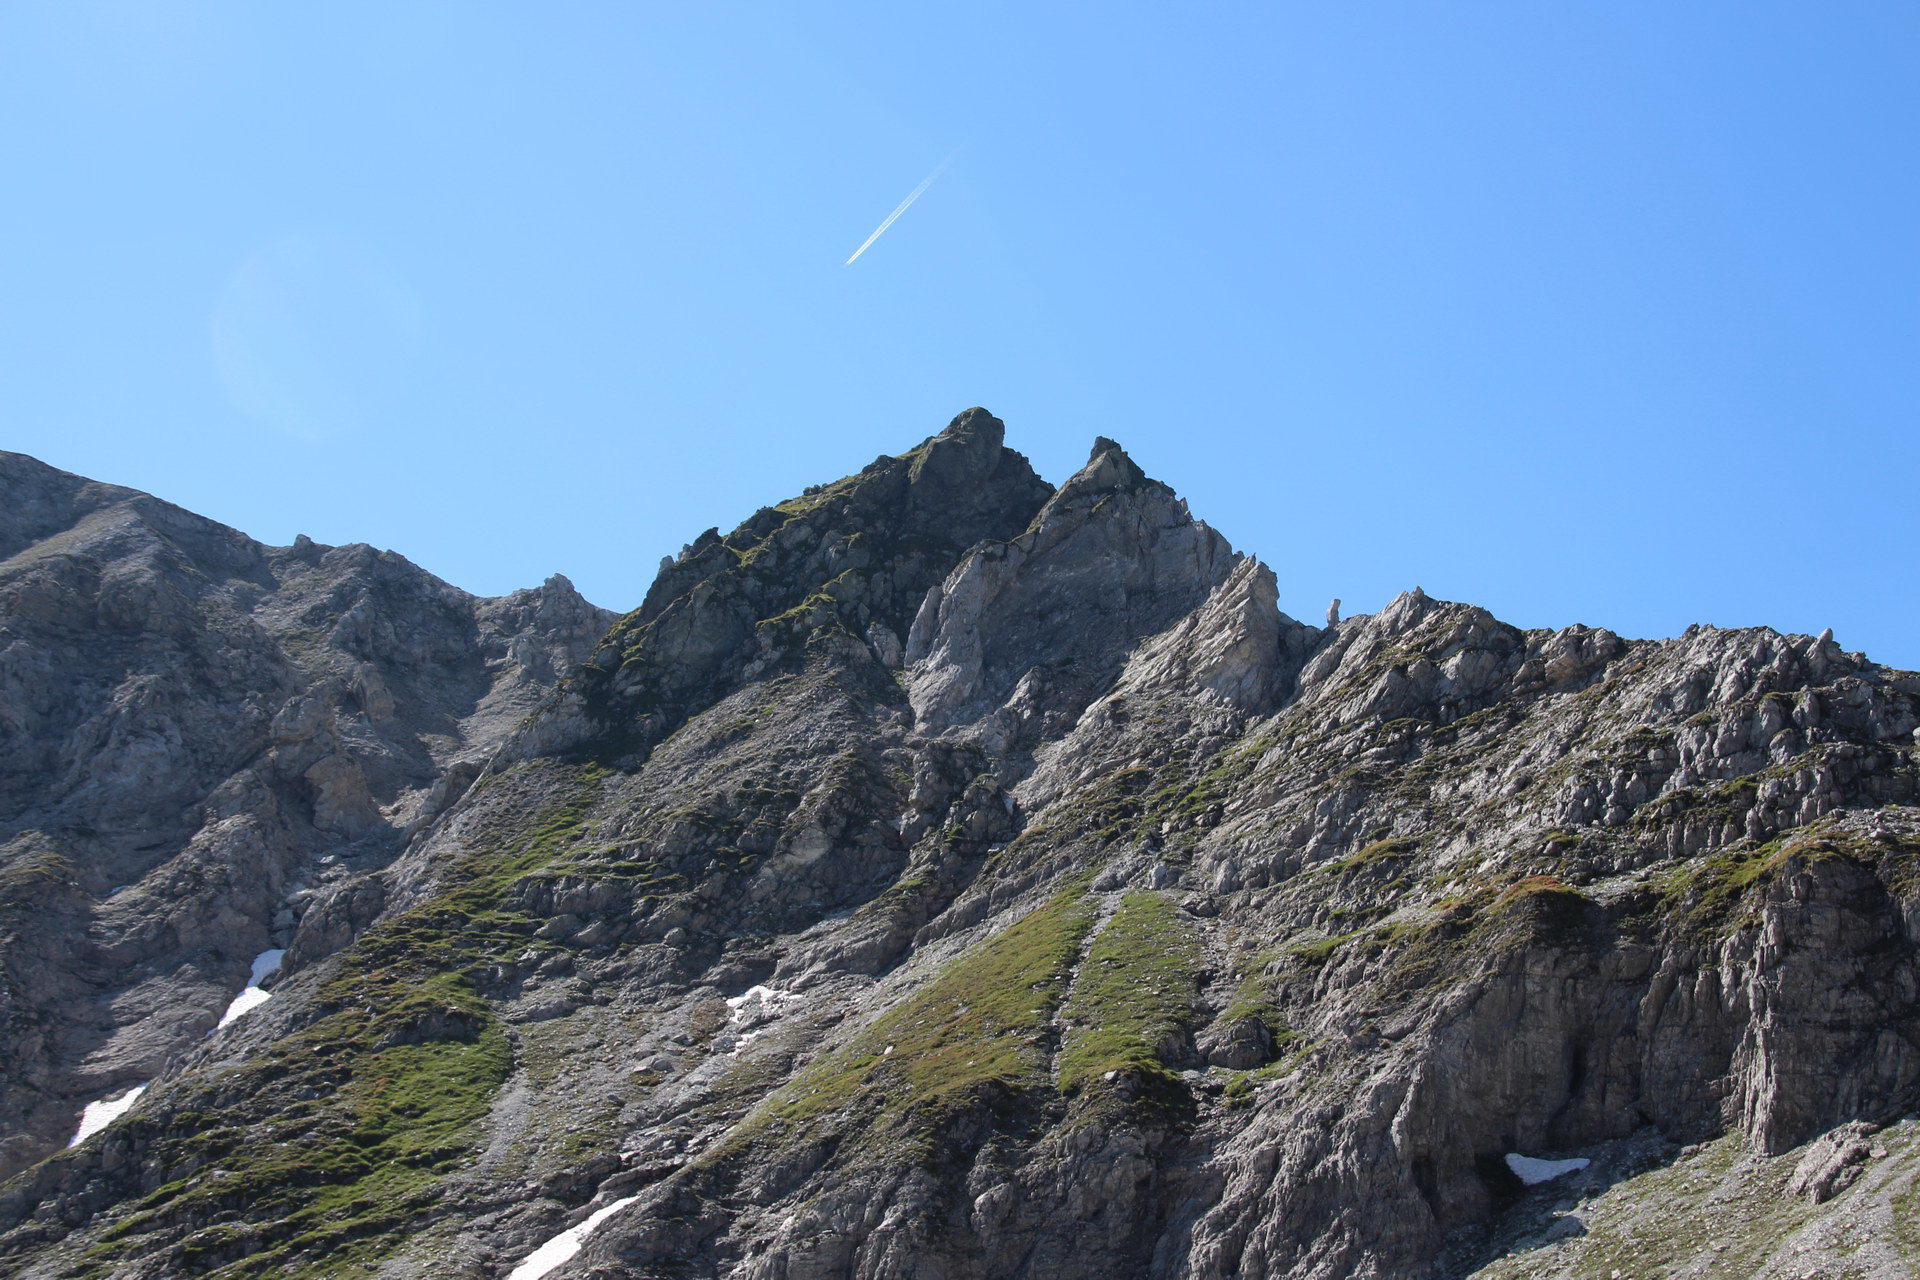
x: 1833, y: 1162
x: 824, y: 954
x: 192, y: 723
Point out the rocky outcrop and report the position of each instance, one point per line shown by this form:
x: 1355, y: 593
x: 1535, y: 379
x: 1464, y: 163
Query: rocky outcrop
x: 199, y: 736
x: 943, y: 876
x: 855, y: 556
x: 1034, y: 626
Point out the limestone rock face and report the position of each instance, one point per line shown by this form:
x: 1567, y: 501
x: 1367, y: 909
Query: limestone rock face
x: 1833, y: 1162
x: 198, y: 734
x: 858, y: 554
x: 940, y: 877
x: 1045, y: 618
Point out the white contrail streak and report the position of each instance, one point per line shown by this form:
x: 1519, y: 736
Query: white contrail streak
x: 901, y: 208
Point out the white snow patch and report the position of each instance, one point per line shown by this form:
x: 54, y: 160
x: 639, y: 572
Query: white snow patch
x: 756, y: 1004
x: 98, y: 1115
x: 247, y: 1000
x: 746, y: 1040
x: 1534, y: 1172
x: 567, y: 1243
x: 751, y: 1009
x: 265, y: 965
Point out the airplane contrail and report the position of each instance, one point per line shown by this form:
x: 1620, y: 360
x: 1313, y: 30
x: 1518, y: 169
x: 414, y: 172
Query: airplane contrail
x: 901, y: 208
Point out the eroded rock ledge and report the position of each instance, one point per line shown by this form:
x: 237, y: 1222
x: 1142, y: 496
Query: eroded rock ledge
x: 942, y: 875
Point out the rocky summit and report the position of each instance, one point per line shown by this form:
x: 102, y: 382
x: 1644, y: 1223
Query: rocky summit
x: 941, y: 876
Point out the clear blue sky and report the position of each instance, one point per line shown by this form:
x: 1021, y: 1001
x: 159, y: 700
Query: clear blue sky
x: 1604, y: 312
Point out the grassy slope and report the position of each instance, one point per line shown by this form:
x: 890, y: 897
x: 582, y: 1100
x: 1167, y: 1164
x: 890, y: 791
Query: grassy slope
x: 328, y: 1145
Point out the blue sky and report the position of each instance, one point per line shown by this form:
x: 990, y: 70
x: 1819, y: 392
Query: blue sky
x: 1586, y: 312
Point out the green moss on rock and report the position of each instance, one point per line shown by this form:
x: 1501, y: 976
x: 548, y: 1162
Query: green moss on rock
x: 1718, y: 894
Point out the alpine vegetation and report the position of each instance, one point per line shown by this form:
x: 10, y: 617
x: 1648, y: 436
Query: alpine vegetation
x: 941, y: 876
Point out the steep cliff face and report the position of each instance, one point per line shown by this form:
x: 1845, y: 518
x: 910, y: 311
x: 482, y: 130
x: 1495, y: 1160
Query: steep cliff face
x: 946, y: 876
x: 198, y: 736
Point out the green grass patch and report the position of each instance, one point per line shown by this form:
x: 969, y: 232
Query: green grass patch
x: 1241, y: 1084
x: 1253, y: 997
x: 982, y: 1023
x: 1135, y: 990
x: 1712, y: 895
x: 322, y: 1190
x: 318, y: 1156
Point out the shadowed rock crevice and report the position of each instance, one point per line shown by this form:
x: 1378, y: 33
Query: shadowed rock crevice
x: 1031, y: 628
x: 940, y: 875
x: 203, y: 737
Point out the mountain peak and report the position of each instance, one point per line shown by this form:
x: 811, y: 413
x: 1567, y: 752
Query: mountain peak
x: 1108, y: 470
x: 975, y: 424
x: 928, y: 813
x: 1112, y: 558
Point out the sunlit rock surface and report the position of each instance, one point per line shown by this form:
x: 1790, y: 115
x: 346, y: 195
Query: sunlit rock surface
x: 939, y: 876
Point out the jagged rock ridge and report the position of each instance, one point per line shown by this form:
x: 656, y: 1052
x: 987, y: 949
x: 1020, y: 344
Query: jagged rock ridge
x: 942, y: 875
x: 202, y: 737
